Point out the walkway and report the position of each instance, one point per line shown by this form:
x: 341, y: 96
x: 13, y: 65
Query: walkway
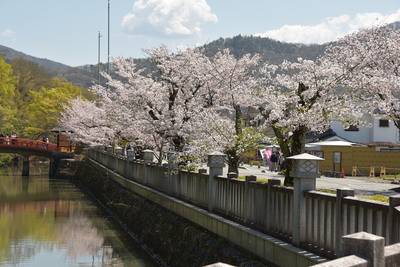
x: 361, y: 185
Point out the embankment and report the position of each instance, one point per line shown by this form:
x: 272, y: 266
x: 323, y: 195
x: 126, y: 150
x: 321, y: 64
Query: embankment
x: 171, y: 239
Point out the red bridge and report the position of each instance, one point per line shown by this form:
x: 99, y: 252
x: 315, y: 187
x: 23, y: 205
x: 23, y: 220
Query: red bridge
x: 27, y: 144
x: 27, y: 147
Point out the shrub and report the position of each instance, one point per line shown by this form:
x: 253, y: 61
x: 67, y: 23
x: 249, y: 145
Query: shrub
x: 5, y: 159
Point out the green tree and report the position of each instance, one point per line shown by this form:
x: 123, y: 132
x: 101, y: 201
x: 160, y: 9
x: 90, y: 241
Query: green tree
x: 46, y: 106
x: 31, y: 77
x: 7, y: 104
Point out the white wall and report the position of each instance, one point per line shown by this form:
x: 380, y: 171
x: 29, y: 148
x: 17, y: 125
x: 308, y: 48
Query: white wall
x: 368, y: 134
x: 385, y: 134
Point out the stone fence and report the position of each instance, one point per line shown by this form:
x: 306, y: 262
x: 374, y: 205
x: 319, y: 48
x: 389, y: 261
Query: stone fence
x: 314, y: 221
x: 363, y: 250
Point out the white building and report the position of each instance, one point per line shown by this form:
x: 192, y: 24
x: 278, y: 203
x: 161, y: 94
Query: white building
x: 383, y: 130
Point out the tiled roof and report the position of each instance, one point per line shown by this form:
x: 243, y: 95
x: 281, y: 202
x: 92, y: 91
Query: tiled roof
x: 384, y: 144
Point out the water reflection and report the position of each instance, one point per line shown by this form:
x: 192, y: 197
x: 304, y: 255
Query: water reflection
x: 47, y: 222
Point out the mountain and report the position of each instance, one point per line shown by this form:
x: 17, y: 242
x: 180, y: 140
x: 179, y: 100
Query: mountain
x: 81, y: 76
x: 10, y: 54
x: 269, y: 49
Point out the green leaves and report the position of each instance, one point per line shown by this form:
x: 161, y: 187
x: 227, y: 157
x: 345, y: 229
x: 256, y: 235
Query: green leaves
x: 7, y: 89
x: 30, y: 99
x: 46, y: 106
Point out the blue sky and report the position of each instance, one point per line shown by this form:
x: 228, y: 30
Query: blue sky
x: 67, y: 31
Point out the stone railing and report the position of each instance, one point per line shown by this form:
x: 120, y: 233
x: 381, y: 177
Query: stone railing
x: 363, y: 250
x: 299, y: 215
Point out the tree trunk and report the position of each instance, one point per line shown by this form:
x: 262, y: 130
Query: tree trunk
x: 284, y: 145
x: 233, y: 158
x: 179, y: 143
x: 294, y: 146
x: 233, y: 161
x: 232, y: 152
x: 297, y: 147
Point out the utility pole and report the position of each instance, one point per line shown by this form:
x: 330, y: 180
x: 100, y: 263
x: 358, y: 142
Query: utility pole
x: 98, y: 60
x: 108, y: 55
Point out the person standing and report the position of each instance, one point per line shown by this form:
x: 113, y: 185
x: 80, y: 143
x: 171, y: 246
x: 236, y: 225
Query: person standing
x: 274, y: 161
x: 14, y: 137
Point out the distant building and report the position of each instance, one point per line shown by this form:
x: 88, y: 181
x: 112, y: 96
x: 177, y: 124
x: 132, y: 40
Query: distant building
x: 369, y: 149
x: 383, y: 130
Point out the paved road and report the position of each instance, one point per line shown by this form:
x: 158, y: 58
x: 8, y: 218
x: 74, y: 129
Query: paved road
x: 361, y: 185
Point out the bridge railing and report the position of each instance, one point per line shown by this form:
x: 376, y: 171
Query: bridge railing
x: 27, y: 143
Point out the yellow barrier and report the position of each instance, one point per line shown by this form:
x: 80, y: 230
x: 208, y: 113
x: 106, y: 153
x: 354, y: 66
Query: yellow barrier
x: 383, y: 172
x: 372, y: 172
x: 354, y: 171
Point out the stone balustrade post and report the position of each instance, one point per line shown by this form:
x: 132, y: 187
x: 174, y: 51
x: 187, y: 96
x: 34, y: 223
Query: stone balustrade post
x: 304, y: 179
x: 216, y: 163
x: 340, y: 216
x: 110, y: 159
x: 270, y: 210
x: 172, y: 166
x: 119, y: 151
x: 109, y: 150
x: 130, y: 154
x: 247, y: 195
x: 228, y: 193
x: 392, y: 231
x: 148, y: 157
x: 368, y: 246
x: 104, y: 157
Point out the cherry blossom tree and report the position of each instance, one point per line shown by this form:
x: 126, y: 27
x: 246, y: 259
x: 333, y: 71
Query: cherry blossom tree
x: 374, y: 56
x: 230, y: 90
x: 161, y: 110
x: 177, y: 106
x: 181, y: 103
x: 302, y: 97
x: 170, y: 101
x: 357, y: 72
x: 87, y: 123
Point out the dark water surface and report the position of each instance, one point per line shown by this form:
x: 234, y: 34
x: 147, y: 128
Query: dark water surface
x: 47, y: 222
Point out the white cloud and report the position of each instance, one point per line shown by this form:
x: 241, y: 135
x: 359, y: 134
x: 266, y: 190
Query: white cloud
x: 8, y: 33
x: 330, y: 29
x: 168, y: 17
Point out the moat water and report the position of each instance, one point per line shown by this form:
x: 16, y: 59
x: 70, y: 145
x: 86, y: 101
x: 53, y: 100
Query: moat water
x: 50, y: 222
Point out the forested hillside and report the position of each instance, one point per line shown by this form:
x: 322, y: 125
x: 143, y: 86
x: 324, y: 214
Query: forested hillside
x: 269, y: 49
x: 32, y: 98
x: 10, y: 54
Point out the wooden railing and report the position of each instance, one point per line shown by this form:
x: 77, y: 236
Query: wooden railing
x: 33, y: 144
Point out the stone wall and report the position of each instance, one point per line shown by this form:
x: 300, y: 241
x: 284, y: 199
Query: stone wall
x: 171, y: 239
